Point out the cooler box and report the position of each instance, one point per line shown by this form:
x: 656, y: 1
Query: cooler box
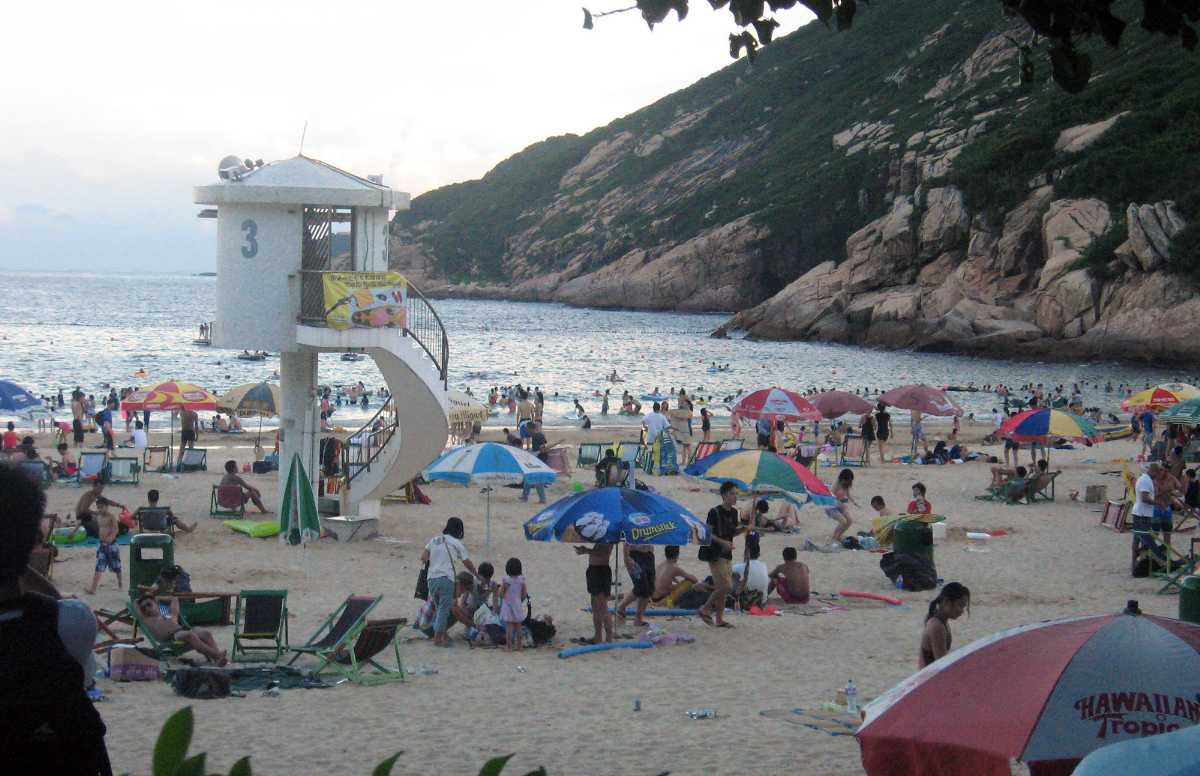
x: 914, y: 538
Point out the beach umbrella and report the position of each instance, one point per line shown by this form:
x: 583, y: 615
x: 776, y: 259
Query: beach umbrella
x: 250, y: 399
x: 834, y: 404
x: 923, y: 399
x: 761, y: 471
x: 1047, y: 694
x: 489, y: 464
x: 775, y: 403
x: 463, y: 408
x: 14, y: 398
x: 1187, y: 412
x: 1042, y: 425
x: 171, y: 395
x: 612, y: 515
x: 299, y: 522
x: 1160, y: 397
x: 1172, y: 754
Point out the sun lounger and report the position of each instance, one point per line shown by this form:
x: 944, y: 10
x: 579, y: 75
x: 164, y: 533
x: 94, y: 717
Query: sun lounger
x: 338, y: 630
x: 92, y: 466
x: 227, y: 501
x: 124, y: 471
x: 1116, y: 516
x: 194, y: 459
x: 853, y: 451
x: 154, y: 520
x: 160, y: 649
x: 157, y: 458
x: 261, y: 616
x: 590, y: 453
x: 704, y: 449
x: 373, y: 638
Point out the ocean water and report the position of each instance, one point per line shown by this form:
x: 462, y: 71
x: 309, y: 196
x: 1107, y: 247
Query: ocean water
x: 59, y: 330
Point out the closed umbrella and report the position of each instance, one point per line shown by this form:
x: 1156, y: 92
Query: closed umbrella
x: 834, y: 404
x: 14, y: 398
x: 299, y: 522
x: 921, y: 398
x: 775, y: 403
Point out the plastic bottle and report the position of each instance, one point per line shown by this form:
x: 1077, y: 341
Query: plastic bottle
x: 851, y: 697
x: 899, y: 581
x: 637, y: 704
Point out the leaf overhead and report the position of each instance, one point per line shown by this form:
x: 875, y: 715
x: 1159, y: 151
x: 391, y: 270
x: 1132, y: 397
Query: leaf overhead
x: 587, y: 19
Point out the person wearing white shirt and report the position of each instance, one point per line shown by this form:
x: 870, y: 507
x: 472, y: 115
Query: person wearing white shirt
x: 654, y: 422
x: 757, y: 578
x: 997, y: 418
x: 444, y: 553
x: 138, y: 438
x: 1143, y: 509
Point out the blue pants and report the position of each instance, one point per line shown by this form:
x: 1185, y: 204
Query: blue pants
x: 541, y: 489
x: 441, y: 593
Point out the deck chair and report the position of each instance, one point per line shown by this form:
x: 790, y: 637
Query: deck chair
x: 339, y: 629
x: 1046, y: 491
x: 227, y: 501
x: 703, y: 450
x: 124, y: 471
x: 92, y: 466
x: 373, y: 638
x: 617, y: 475
x: 154, y: 520
x: 1116, y: 516
x: 194, y: 459
x: 590, y: 453
x: 260, y: 616
x: 1183, y: 566
x: 731, y: 444
x: 630, y: 452
x: 160, y: 649
x: 157, y: 458
x: 1186, y: 515
x: 853, y: 451
x: 38, y: 471
x: 1165, y: 561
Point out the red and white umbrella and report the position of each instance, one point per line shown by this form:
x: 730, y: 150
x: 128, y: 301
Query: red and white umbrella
x: 923, y: 399
x: 1046, y: 694
x: 834, y: 404
x: 776, y: 403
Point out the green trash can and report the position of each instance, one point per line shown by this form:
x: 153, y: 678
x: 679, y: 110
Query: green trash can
x: 1189, y: 600
x: 913, y: 537
x: 149, y: 554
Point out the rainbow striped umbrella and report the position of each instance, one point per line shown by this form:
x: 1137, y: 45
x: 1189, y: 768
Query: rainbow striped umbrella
x: 1160, y: 397
x: 1040, y: 425
x: 761, y: 471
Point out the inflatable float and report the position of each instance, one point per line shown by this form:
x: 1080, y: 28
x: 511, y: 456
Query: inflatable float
x: 259, y: 529
x: 653, y: 397
x: 887, y: 599
x: 586, y: 648
x: 1115, y: 432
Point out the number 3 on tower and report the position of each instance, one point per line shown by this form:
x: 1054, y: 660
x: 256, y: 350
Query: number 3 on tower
x: 250, y: 249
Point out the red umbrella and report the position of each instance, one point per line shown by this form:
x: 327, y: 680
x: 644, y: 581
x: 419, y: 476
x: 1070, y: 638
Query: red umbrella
x: 1046, y: 694
x: 834, y: 404
x: 923, y: 399
x: 776, y: 403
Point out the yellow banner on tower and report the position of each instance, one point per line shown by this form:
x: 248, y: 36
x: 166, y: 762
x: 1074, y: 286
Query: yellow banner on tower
x: 368, y: 300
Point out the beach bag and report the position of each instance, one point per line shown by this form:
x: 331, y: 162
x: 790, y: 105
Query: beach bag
x: 127, y: 663
x: 422, y: 591
x: 201, y: 683
x: 692, y: 599
x: 917, y: 572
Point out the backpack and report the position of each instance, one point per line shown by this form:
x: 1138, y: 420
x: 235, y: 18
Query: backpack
x: 201, y: 683
x: 50, y: 726
x: 917, y: 572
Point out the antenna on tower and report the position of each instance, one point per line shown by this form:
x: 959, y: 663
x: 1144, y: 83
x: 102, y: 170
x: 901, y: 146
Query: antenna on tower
x: 303, y: 132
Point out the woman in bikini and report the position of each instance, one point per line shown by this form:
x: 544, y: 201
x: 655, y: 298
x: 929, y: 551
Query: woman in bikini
x: 840, y: 513
x: 951, y: 602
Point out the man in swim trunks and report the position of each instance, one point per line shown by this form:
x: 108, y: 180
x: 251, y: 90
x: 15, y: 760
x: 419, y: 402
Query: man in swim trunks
x: 168, y: 629
x: 790, y: 579
x: 108, y: 554
x: 190, y: 422
x: 249, y: 492
x: 670, y: 581
x: 599, y: 587
x: 639, y: 562
x: 723, y: 522
x: 92, y: 497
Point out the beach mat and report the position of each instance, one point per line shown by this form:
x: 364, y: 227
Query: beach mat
x: 833, y: 723
x: 250, y: 679
x: 259, y: 529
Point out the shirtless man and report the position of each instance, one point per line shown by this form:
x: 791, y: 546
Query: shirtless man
x: 93, y: 496
x: 108, y: 554
x: 189, y: 421
x: 790, y: 579
x: 756, y: 516
x: 168, y: 629
x: 249, y: 492
x: 599, y: 587
x: 670, y: 581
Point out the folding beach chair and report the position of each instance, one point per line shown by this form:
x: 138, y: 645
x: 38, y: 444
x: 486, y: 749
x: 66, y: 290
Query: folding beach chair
x: 339, y: 629
x: 261, y: 616
x: 227, y: 501
x: 157, y: 458
x: 1186, y: 515
x: 160, y: 649
x: 124, y: 471
x: 1042, y: 486
x: 1116, y: 516
x: 194, y: 459
x: 616, y: 475
x: 373, y: 637
x: 154, y: 520
x: 38, y: 471
x: 703, y: 450
x: 590, y: 453
x: 1181, y: 566
x: 853, y: 451
x: 1165, y: 562
x: 630, y: 452
x: 731, y: 444
x: 92, y: 466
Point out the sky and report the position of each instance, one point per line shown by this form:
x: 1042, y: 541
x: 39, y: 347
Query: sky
x: 110, y: 113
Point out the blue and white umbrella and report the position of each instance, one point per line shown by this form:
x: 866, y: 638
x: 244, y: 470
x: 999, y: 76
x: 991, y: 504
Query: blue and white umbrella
x: 611, y: 515
x: 489, y: 464
x: 14, y: 398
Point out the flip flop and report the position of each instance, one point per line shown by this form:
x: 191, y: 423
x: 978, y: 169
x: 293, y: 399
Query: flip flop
x: 708, y: 620
x: 725, y: 625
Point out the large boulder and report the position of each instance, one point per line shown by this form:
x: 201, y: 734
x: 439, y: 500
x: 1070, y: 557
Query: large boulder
x: 1068, y: 303
x: 1019, y: 250
x: 1151, y: 228
x: 882, y: 253
x: 1075, y: 139
x: 945, y: 224
x: 1068, y: 228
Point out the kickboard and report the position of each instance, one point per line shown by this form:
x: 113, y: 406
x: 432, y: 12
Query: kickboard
x: 259, y: 529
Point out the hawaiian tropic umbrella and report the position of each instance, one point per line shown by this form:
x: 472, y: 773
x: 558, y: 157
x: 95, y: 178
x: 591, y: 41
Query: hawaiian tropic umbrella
x: 1041, y: 425
x: 611, y: 515
x: 834, y: 404
x: 923, y: 399
x: 14, y: 398
x: 299, y: 522
x: 1171, y: 754
x: 261, y: 399
x: 775, y: 403
x: 1046, y: 694
x: 1187, y: 412
x: 1160, y: 397
x: 489, y: 463
x: 761, y: 471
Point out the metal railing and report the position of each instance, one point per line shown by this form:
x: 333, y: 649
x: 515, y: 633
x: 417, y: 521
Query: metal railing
x: 372, y: 437
x: 421, y: 320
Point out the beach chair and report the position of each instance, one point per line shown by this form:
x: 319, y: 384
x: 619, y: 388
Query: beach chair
x: 373, y: 638
x: 38, y: 471
x: 260, y: 616
x: 194, y: 459
x: 1116, y: 516
x: 617, y: 475
x: 1165, y: 562
x: 157, y: 458
x: 159, y: 649
x: 227, y: 501
x: 1042, y: 486
x: 154, y: 520
x: 630, y: 452
x: 1186, y: 515
x: 853, y: 451
x: 590, y: 453
x: 1181, y: 566
x: 338, y: 630
x: 124, y: 471
x: 731, y: 444
x: 703, y: 450
x: 92, y: 466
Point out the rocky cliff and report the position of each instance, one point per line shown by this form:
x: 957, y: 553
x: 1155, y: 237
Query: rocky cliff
x: 893, y: 186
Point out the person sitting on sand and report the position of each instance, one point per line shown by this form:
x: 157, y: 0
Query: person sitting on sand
x: 639, y: 562
x: 66, y: 465
x: 168, y: 629
x: 919, y: 505
x: 670, y: 581
x: 790, y: 579
x: 249, y: 492
x: 953, y: 599
x: 880, y: 506
x: 751, y: 580
x: 475, y: 592
x: 756, y: 516
x: 152, y: 502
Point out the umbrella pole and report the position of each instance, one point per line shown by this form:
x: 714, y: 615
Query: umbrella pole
x: 487, y: 529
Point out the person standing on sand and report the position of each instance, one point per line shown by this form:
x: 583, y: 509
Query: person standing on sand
x: 639, y: 562
x: 604, y: 402
x: 77, y: 415
x: 440, y: 553
x: 723, y: 523
x: 189, y: 422
x: 883, y: 429
x: 599, y: 587
x: 108, y: 554
x: 706, y: 424
x: 953, y: 599
x: 681, y: 426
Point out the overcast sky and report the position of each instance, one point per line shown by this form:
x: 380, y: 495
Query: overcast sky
x: 111, y: 112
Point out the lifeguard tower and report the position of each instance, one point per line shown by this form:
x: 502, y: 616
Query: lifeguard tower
x: 302, y: 260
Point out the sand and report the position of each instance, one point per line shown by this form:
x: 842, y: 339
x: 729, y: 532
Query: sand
x: 576, y: 716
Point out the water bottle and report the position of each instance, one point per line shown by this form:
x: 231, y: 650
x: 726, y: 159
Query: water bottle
x: 637, y: 704
x: 899, y: 581
x: 851, y: 697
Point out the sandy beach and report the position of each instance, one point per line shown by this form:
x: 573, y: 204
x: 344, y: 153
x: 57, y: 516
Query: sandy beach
x: 577, y: 716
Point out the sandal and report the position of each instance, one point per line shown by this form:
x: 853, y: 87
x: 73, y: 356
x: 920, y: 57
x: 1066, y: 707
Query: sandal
x: 725, y: 625
x: 708, y: 620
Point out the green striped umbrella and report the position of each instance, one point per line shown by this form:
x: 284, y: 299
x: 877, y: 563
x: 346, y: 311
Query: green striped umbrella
x: 298, y: 519
x: 1183, y: 412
